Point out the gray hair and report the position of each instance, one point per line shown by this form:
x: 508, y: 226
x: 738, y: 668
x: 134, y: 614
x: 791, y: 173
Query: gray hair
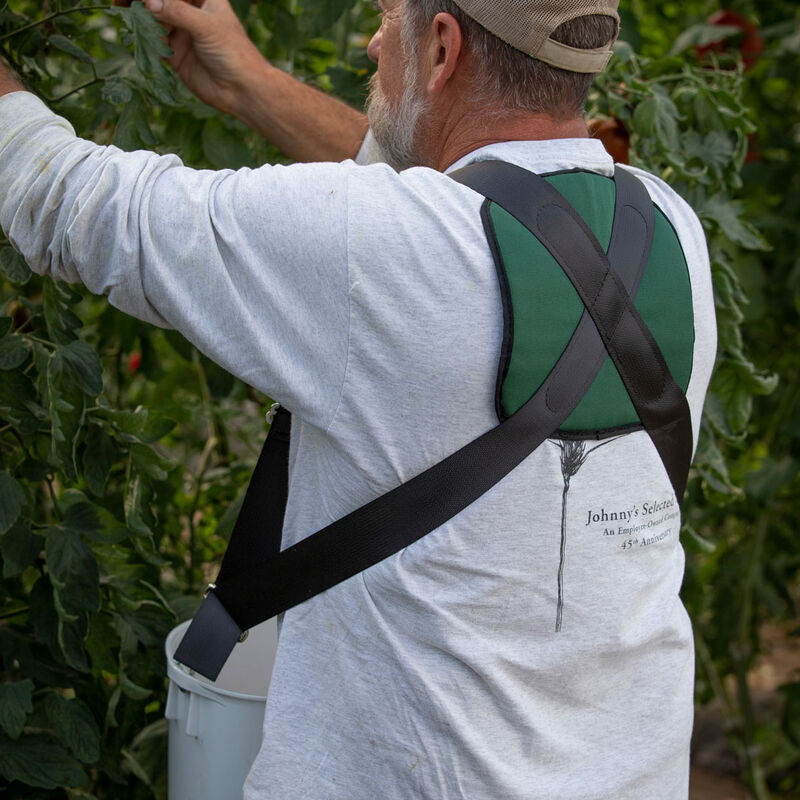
x: 506, y: 78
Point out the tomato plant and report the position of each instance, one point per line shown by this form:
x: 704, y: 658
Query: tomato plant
x: 750, y: 44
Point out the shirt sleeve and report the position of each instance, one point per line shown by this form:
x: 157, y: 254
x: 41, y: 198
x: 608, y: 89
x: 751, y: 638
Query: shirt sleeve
x: 249, y: 265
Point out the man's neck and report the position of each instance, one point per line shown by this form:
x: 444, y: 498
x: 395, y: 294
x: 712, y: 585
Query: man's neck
x: 472, y: 131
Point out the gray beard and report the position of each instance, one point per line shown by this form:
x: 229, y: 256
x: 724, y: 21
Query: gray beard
x: 395, y: 128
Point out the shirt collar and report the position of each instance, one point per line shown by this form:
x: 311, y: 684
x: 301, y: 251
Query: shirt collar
x: 545, y: 156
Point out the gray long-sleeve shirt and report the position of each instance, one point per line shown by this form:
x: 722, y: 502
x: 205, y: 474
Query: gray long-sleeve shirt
x: 367, y: 302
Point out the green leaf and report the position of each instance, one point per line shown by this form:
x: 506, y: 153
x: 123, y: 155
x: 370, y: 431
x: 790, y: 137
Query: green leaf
x: 15, y: 704
x: 37, y: 761
x: 132, y: 131
x: 131, y: 689
x: 241, y: 7
x: 66, y: 419
x: 72, y: 641
x: 111, y: 711
x: 149, y: 463
x: 102, y: 645
x: 658, y: 116
x: 20, y: 547
x: 68, y: 46
x: 148, y: 751
x: 718, y: 150
x: 324, y: 13
x: 699, y: 543
x: 711, y: 465
x: 705, y: 109
x: 702, y: 34
x: 348, y: 84
x: 130, y: 763
x: 179, y: 344
x: 91, y: 521
x: 61, y: 322
x: 773, y: 476
x: 80, y: 364
x: 128, y: 640
x: 223, y: 147
x: 14, y: 267
x: 133, y: 506
x: 116, y: 91
x: 69, y: 375
x: 72, y: 567
x: 43, y: 615
x: 146, y: 622
x: 98, y: 459
x: 623, y: 50
x: 82, y: 517
x: 13, y: 351
x: 285, y: 27
x: 12, y: 499
x: 150, y: 50
x: 155, y: 428
x: 128, y: 424
x: 727, y: 214
x: 735, y: 382
x: 75, y: 726
x: 18, y: 403
x: 229, y: 517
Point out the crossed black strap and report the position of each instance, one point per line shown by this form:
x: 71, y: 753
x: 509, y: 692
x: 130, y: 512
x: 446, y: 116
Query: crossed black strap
x: 258, y: 580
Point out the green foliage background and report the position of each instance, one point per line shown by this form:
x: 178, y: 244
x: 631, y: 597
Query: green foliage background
x: 123, y: 451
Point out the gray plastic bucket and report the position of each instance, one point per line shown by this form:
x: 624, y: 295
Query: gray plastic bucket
x: 215, y: 726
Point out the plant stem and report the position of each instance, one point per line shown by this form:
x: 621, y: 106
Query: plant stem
x: 741, y: 652
x: 53, y: 497
x: 75, y: 90
x: 43, y: 342
x: 706, y: 660
x: 48, y: 18
x: 15, y: 613
x: 202, y: 467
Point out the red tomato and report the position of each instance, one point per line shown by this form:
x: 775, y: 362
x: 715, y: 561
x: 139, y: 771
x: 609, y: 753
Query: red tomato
x: 751, y: 44
x: 753, y: 150
x: 614, y: 136
x: 134, y: 361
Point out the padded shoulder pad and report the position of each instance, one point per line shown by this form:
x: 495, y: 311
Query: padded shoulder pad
x: 542, y: 308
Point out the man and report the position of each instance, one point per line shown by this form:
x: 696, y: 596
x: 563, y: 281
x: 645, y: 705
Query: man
x: 366, y: 301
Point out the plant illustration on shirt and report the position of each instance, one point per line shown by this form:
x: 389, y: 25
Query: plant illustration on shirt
x: 573, y: 457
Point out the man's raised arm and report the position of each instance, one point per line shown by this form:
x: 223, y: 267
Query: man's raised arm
x: 215, y: 58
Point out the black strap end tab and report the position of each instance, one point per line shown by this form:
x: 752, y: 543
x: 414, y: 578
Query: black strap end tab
x: 209, y: 639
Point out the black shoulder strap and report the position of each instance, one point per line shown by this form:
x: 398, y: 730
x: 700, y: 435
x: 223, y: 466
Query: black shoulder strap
x: 262, y: 582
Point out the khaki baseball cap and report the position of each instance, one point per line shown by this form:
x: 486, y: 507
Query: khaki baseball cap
x: 527, y: 25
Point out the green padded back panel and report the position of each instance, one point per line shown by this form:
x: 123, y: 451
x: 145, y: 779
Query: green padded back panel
x: 546, y: 308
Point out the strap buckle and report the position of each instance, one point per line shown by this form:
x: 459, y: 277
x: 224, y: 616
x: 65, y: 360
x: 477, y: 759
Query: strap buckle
x: 273, y: 410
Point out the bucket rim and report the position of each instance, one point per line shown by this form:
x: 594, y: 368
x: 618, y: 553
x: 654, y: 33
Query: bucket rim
x: 190, y: 680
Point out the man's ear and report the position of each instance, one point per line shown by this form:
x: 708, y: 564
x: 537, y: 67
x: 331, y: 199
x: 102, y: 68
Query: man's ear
x: 443, y: 50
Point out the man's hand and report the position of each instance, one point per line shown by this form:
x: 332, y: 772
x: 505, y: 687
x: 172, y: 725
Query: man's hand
x: 212, y: 53
x: 214, y: 57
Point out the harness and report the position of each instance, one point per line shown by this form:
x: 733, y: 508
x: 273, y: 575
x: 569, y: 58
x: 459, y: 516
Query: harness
x: 576, y: 390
